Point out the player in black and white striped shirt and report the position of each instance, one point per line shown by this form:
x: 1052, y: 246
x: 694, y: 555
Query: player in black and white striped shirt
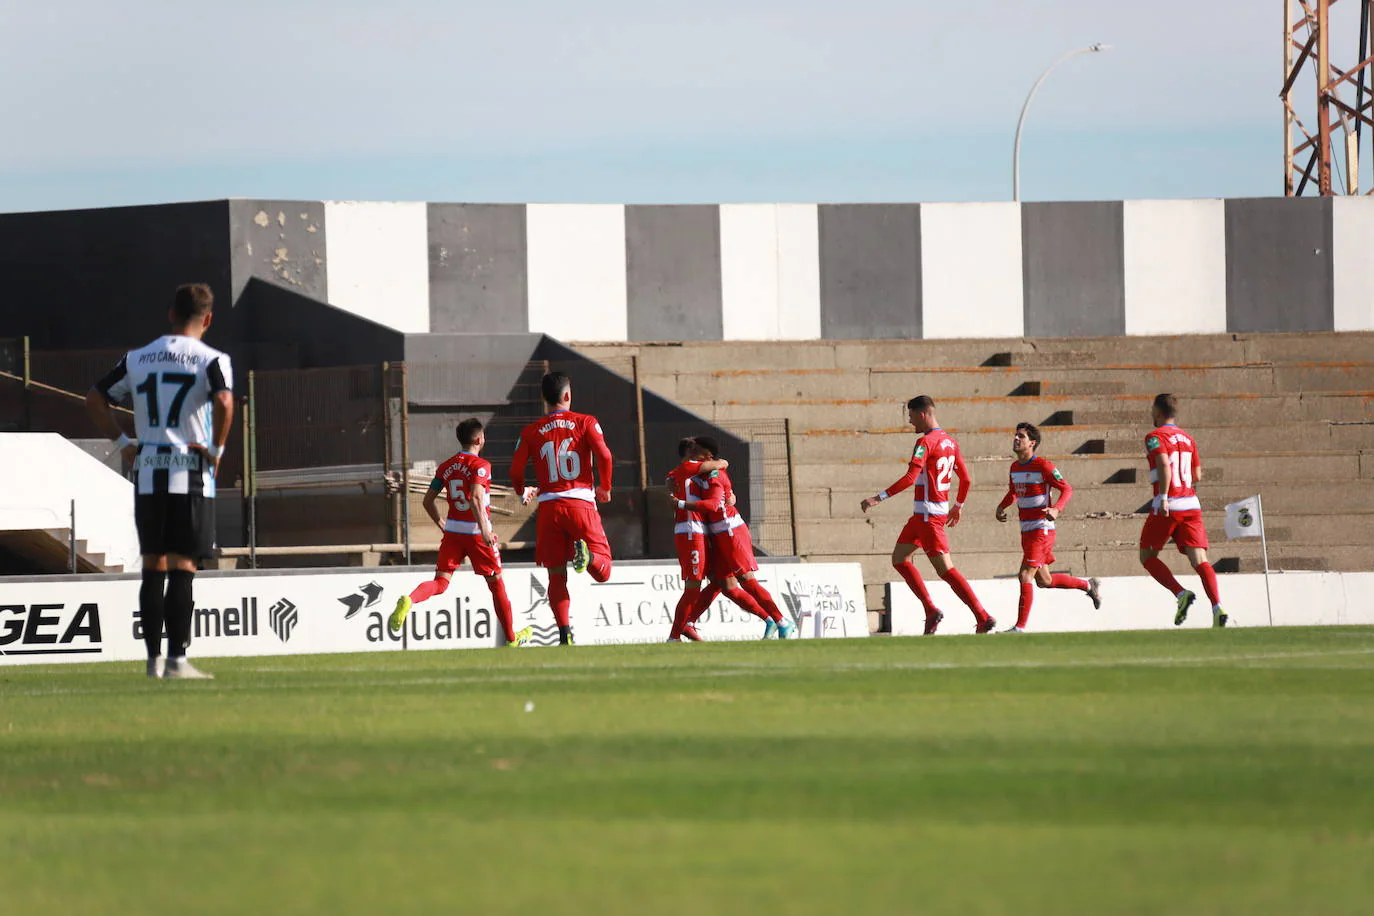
x: 183, y: 403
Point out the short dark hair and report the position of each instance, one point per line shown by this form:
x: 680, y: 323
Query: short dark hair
x: 1032, y: 432
x: 1167, y: 405
x: 921, y: 403
x: 685, y: 445
x: 467, y: 430
x: 553, y: 386
x: 192, y: 301
x: 708, y: 444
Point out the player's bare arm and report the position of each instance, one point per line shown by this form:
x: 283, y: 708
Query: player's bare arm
x: 956, y: 511
x: 482, y: 501
x: 222, y: 415
x: 1002, y: 506
x: 430, y: 502
x: 1166, y: 480
x: 103, y: 415
x: 604, y: 461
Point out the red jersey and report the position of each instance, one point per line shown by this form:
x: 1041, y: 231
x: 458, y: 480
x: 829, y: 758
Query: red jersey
x: 1171, y: 444
x: 685, y: 485
x: 458, y: 479
x: 1031, y: 482
x: 562, y: 445
x: 723, y: 516
x: 935, y: 459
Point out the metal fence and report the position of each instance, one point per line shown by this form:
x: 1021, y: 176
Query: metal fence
x: 340, y: 456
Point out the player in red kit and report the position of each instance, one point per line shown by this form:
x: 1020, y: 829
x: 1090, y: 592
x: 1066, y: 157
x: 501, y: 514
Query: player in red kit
x: 566, y: 448
x: 1032, y: 478
x: 690, y: 498
x: 465, y: 481
x: 1175, y: 511
x: 730, y: 556
x: 935, y: 460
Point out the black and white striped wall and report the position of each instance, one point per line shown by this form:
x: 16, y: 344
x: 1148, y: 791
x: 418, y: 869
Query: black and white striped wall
x: 806, y: 271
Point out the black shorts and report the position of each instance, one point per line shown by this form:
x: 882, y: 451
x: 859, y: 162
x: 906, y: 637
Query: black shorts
x: 175, y: 523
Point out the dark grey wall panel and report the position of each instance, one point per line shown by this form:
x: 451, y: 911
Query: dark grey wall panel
x: 1073, y: 268
x: 1278, y: 265
x: 280, y: 241
x: 96, y: 279
x: 478, y: 263
x: 672, y: 262
x: 870, y: 270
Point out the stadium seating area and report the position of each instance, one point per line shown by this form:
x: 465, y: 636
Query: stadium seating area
x: 1285, y: 415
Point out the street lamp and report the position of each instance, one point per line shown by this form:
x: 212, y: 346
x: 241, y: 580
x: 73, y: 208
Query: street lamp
x: 1020, y: 122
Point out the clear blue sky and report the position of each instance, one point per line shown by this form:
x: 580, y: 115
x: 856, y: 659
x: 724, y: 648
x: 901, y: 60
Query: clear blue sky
x: 630, y: 100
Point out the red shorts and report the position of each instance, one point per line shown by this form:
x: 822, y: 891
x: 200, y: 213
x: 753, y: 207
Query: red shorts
x: 1185, y: 528
x: 561, y: 522
x: 732, y: 553
x: 927, y: 534
x: 691, y: 556
x: 1037, y: 547
x: 454, y: 548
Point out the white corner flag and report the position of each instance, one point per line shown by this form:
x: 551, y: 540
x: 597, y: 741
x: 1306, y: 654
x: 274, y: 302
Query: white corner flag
x: 1243, y: 519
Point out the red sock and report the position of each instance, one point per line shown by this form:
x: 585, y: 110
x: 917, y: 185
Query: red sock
x: 600, y: 566
x: 741, y: 597
x: 955, y: 580
x: 907, y: 570
x: 1156, y: 568
x: 501, y: 601
x: 760, y: 594
x: 708, y: 595
x: 1024, y: 605
x: 685, y: 605
x: 426, y: 590
x: 559, y: 600
x: 1209, y: 583
x: 1064, y: 580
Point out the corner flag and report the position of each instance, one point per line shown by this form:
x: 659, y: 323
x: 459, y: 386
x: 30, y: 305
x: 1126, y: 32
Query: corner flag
x: 1244, y: 519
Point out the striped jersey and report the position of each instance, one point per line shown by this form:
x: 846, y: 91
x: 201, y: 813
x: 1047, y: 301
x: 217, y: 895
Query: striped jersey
x: 459, y: 478
x: 1031, y: 482
x: 1171, y: 444
x: 942, y: 461
x: 171, y: 383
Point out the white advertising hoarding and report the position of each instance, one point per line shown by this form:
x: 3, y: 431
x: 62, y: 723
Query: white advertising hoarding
x: 1141, y: 603
x: 297, y: 613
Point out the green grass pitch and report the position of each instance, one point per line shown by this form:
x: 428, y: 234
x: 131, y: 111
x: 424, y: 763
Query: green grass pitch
x: 1114, y: 773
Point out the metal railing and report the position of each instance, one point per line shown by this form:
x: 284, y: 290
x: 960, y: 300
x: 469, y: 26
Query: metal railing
x: 337, y: 456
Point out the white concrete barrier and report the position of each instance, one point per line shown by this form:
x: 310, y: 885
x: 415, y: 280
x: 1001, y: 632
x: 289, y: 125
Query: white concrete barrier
x: 44, y: 472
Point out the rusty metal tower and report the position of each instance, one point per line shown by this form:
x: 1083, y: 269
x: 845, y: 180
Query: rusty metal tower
x: 1326, y: 139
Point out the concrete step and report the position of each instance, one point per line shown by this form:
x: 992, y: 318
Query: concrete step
x: 1051, y: 411
x: 1239, y: 469
x: 1329, y: 497
x: 902, y: 383
x: 878, y: 531
x: 1050, y: 352
x: 1125, y: 441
